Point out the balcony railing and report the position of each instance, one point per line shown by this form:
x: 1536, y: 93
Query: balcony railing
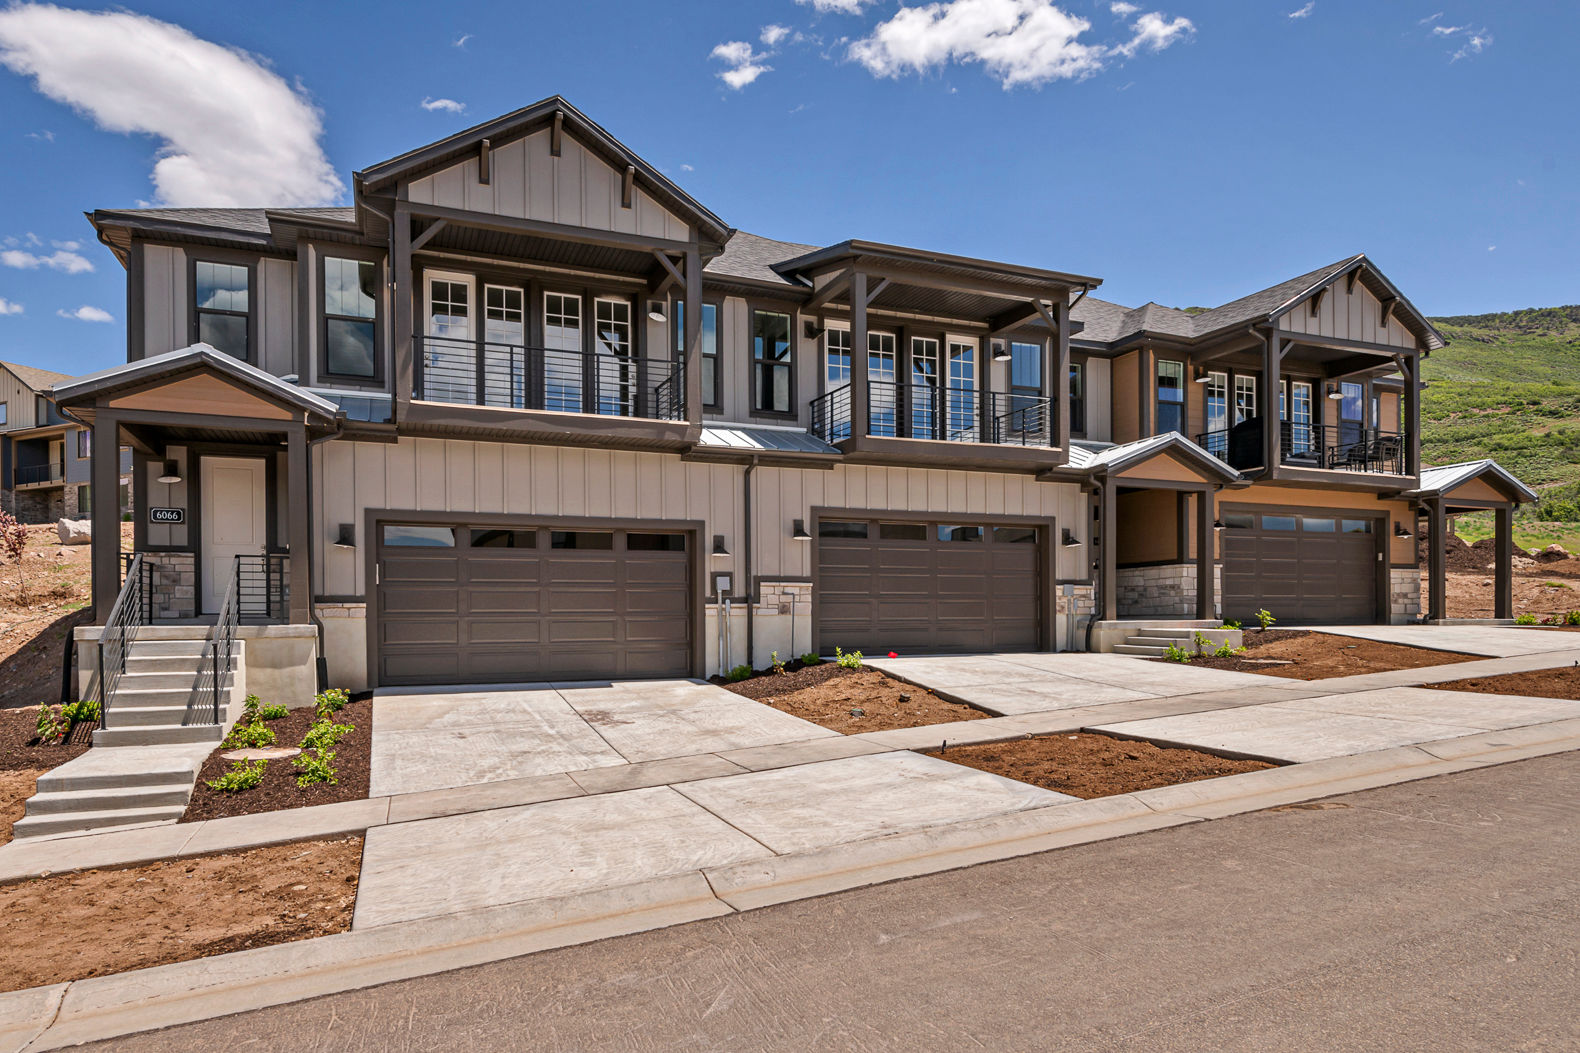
x: 927, y: 411
x: 1340, y: 447
x: 37, y: 474
x: 513, y: 376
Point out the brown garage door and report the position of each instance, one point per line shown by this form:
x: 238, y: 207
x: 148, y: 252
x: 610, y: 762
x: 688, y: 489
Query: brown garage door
x: 939, y: 587
x: 1303, y: 568
x: 491, y: 604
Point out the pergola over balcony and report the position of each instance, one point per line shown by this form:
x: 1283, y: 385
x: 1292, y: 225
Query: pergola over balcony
x: 856, y: 280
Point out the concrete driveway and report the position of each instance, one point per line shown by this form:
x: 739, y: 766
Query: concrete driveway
x: 1493, y: 641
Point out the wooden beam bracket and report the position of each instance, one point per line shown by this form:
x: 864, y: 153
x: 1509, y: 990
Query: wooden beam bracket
x: 557, y: 134
x: 428, y: 232
x: 837, y: 285
x: 628, y: 186
x: 485, y: 158
x: 1316, y: 300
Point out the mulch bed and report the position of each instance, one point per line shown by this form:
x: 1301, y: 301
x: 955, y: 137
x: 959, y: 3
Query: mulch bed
x: 19, y: 737
x: 851, y: 701
x: 1089, y: 765
x: 1297, y: 655
x: 1563, y: 682
x: 278, y: 790
x: 97, y: 922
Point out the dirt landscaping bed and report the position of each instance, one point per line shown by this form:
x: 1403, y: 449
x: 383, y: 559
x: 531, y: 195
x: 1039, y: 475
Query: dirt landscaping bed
x: 851, y: 701
x: 22, y: 761
x: 1089, y: 765
x: 96, y: 922
x: 1563, y: 682
x: 278, y: 790
x: 1298, y: 655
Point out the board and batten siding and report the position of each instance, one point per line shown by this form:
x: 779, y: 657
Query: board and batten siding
x: 167, y: 313
x: 449, y: 475
x: 1352, y: 315
x: 21, y: 404
x: 1099, y: 400
x: 527, y: 182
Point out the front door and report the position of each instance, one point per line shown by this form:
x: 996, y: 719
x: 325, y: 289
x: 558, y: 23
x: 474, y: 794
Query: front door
x: 235, y: 520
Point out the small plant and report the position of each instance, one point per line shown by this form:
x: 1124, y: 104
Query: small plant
x: 55, y: 722
x: 811, y: 659
x: 1177, y: 654
x: 1203, y: 645
x: 324, y: 735
x: 13, y: 547
x: 847, y: 661
x: 1572, y: 618
x: 273, y: 713
x: 249, y: 737
x: 1265, y: 618
x: 1526, y: 619
x: 331, y: 701
x: 249, y: 709
x: 315, y: 767
x: 1232, y: 625
x: 779, y: 667
x: 740, y: 672
x: 1227, y: 650
x: 49, y: 730
x: 243, y: 775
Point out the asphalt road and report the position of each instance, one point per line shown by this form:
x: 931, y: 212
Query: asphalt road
x: 1437, y: 915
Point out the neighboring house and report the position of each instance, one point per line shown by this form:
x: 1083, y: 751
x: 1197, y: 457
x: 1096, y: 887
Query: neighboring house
x: 44, y: 458
x: 528, y: 411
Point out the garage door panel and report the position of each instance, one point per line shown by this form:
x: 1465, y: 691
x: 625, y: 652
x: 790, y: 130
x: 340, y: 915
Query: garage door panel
x: 423, y: 666
x: 1304, y: 575
x: 399, y: 600
x: 516, y: 631
x: 503, y: 601
x: 419, y: 632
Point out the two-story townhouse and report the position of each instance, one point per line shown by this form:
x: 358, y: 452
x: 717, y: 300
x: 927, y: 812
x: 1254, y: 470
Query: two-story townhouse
x: 528, y: 411
x: 44, y: 458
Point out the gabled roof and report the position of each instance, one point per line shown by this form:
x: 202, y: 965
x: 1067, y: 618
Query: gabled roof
x: 855, y: 249
x: 1099, y: 460
x: 40, y: 380
x: 172, y: 363
x: 1440, y: 481
x: 752, y: 258
x: 446, y: 151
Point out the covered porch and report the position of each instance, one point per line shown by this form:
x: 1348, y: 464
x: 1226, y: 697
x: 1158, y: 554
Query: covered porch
x: 1455, y: 489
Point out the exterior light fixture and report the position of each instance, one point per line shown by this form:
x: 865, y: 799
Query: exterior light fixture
x: 1202, y: 376
x: 718, y: 546
x: 347, y: 538
x: 1217, y: 524
x: 171, y: 474
x: 1334, y: 393
x: 1000, y: 351
x: 655, y: 310
x: 798, y: 532
x: 1401, y: 533
x: 1067, y: 539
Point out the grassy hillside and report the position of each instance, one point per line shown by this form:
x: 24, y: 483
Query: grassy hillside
x: 1508, y: 387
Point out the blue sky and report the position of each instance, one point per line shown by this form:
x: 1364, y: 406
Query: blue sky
x: 1185, y: 151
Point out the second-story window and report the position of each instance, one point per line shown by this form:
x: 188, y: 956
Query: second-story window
x: 1244, y: 398
x: 1171, y: 396
x: 772, y: 363
x: 616, y: 371
x: 1217, y: 402
x: 350, y: 310
x: 1025, y: 386
x: 84, y: 444
x: 712, y: 398
x: 1078, y: 398
x: 5, y: 417
x: 220, y: 303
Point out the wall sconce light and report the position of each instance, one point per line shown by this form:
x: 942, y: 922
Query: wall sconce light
x: 1067, y: 539
x: 798, y: 532
x: 718, y: 546
x: 1334, y: 393
x: 1217, y: 524
x: 347, y: 537
x: 655, y: 310
x: 1202, y: 376
x: 1000, y: 351
x: 172, y: 473
x: 1401, y: 533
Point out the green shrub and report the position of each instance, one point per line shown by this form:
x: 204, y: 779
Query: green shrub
x: 249, y: 736
x: 1265, y: 619
x: 332, y: 701
x: 1203, y: 645
x: 1526, y: 619
x: 779, y: 667
x: 740, y: 672
x: 1177, y: 654
x: 243, y: 775
x: 847, y: 661
x: 1227, y: 650
x: 273, y: 713
x: 249, y: 709
x: 48, y: 728
x: 325, y: 735
x: 315, y: 767
x: 811, y: 659
x: 1572, y: 618
x: 55, y: 722
x: 1232, y: 625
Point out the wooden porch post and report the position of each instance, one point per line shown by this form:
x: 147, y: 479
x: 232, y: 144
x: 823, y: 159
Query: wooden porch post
x: 404, y: 293
x: 1503, y: 572
x: 1272, y: 425
x: 1059, y: 386
x: 693, y: 337
x: 105, y: 473
x: 1412, y: 413
x: 1437, y: 560
x: 858, y: 355
x: 1204, y: 552
x: 1108, y: 602
x: 299, y: 525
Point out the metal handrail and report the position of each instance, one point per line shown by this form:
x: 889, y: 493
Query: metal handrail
x: 482, y: 372
x: 218, y: 651
x: 1337, y: 447
x: 831, y: 415
x: 128, y: 614
x: 29, y: 475
x: 1021, y: 420
x: 263, y: 588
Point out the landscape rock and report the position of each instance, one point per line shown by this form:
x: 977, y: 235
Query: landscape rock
x: 1552, y: 554
x: 75, y: 531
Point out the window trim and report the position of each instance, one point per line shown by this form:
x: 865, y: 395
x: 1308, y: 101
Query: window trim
x: 1077, y: 406
x: 379, y: 378
x: 84, y: 435
x: 5, y: 413
x: 711, y: 400
x: 226, y: 258
x: 1157, y: 395
x: 754, y: 308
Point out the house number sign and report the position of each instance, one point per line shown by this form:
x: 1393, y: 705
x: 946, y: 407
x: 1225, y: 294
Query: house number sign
x: 167, y: 515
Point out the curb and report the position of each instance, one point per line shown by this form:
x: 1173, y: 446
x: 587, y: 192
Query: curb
x: 57, y: 1015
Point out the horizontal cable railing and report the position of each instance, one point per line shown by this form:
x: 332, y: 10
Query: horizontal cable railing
x: 128, y: 614
x: 920, y: 410
x: 207, y: 704
x: 1021, y: 420
x: 263, y: 588
x: 1339, y: 447
x: 831, y: 415
x: 37, y: 473
x: 478, y: 372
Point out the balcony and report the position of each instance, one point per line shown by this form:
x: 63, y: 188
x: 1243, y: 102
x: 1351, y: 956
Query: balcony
x: 926, y: 411
x: 513, y: 376
x: 1334, y: 447
x: 38, y: 475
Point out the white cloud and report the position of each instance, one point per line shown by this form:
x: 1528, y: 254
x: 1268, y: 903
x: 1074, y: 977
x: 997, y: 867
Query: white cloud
x: 687, y: 168
x: 232, y: 131
x: 460, y: 41
x: 1154, y: 32
x: 842, y: 7
x: 772, y: 35
x: 45, y: 136
x: 1304, y: 12
x: 447, y: 105
x: 743, y: 65
x: 63, y: 260
x: 85, y: 313
x: 1447, y: 31
x: 1017, y: 41
x: 69, y: 246
x: 1123, y: 10
x: 1492, y: 248
x: 1429, y: 19
x: 9, y: 307
x: 1475, y: 40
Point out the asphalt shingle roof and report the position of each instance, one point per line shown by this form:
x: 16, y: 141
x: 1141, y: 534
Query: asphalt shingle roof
x: 753, y: 257
x: 246, y: 220
x: 35, y: 378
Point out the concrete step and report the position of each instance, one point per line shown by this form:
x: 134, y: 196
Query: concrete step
x: 133, y: 696
x: 110, y: 799
x: 1144, y: 650
x: 31, y: 826
x: 165, y: 648
x: 108, y: 769
x: 154, y: 716
x: 138, y: 680
x: 157, y: 735
x: 178, y: 663
x: 1167, y: 635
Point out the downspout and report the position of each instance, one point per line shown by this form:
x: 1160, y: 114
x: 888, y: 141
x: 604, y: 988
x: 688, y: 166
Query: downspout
x: 746, y: 544
x: 322, y: 665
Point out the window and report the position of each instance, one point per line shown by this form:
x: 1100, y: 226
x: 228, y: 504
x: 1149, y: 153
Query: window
x: 84, y: 501
x: 84, y: 444
x: 1244, y: 398
x: 924, y: 387
x: 408, y: 536
x: 449, y: 356
x: 883, y: 394
x: 839, y: 528
x: 1317, y: 526
x: 1278, y: 522
x: 1357, y: 526
x: 504, y: 539
x: 1025, y: 388
x: 1171, y: 397
x: 771, y: 363
x: 562, y: 356
x: 1217, y: 402
x: 902, y: 532
x: 1078, y: 397
x: 616, y: 371
x: 959, y: 533
x: 963, y: 417
x: 1014, y: 535
x: 1351, y: 408
x: 597, y: 540
x: 4, y: 416
x: 504, y: 361
x: 655, y: 542
x: 710, y: 349
x: 350, y: 306
x: 220, y: 304
x: 1300, y: 431
x: 1238, y: 520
